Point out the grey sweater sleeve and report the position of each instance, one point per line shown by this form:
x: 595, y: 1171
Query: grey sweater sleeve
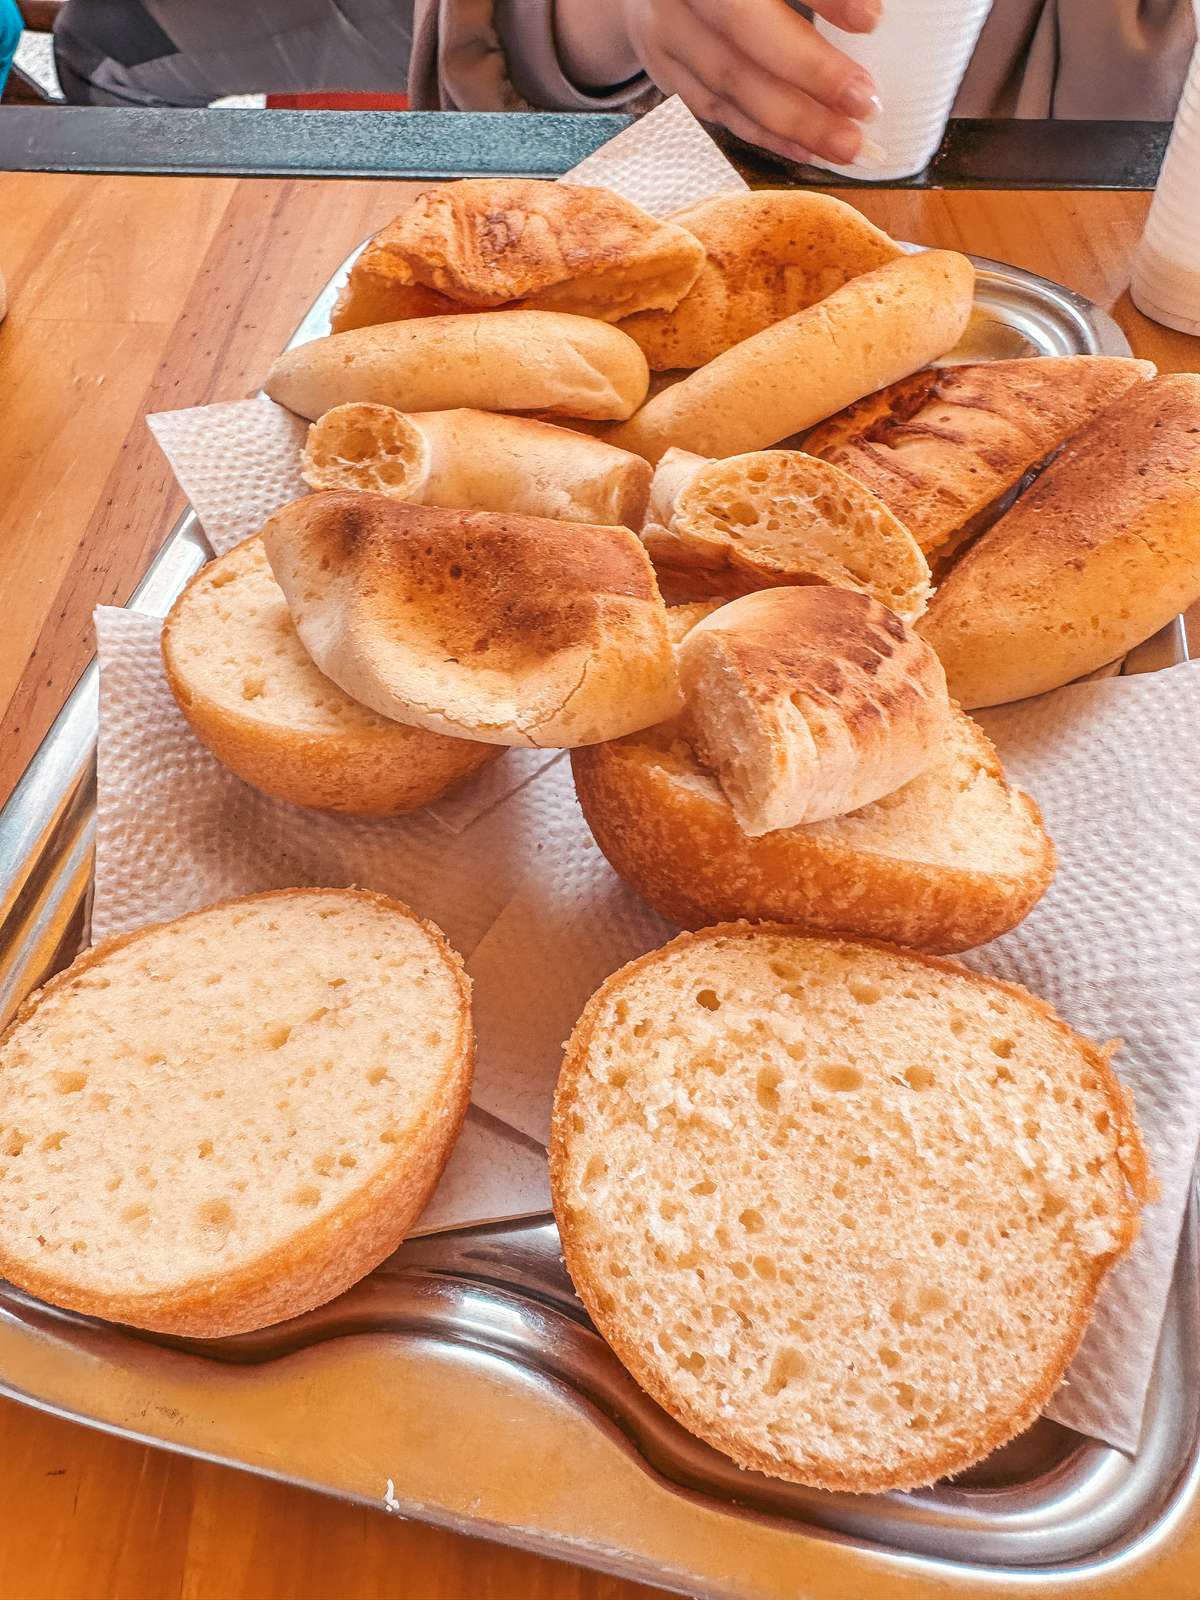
x: 501, y: 55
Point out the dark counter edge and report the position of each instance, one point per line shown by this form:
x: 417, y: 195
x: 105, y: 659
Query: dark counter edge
x: 982, y: 154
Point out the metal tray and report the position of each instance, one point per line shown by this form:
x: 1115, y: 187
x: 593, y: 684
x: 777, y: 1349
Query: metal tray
x: 461, y: 1383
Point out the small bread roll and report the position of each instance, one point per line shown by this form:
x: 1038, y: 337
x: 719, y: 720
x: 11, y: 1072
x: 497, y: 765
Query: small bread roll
x: 875, y: 329
x: 507, y: 361
x: 252, y: 696
x: 510, y: 630
x: 775, y: 517
x: 770, y: 253
x: 809, y: 703
x: 477, y: 461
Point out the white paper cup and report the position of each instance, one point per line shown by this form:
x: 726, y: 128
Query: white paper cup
x: 1166, y: 268
x: 917, y: 56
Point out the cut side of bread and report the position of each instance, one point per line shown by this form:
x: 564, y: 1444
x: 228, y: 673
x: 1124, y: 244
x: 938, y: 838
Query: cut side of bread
x: 842, y: 1210
x: 953, y: 859
x: 214, y: 1124
x: 254, y: 697
x: 772, y: 517
x: 372, y: 448
x: 941, y: 447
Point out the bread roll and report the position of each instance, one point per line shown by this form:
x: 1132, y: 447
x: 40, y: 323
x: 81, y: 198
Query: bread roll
x: 940, y: 448
x: 842, y: 1210
x: 954, y: 858
x: 1102, y: 552
x: 512, y: 361
x: 510, y: 630
x: 216, y: 1123
x: 875, y: 329
x: 477, y: 461
x: 250, y: 693
x: 479, y: 243
x: 809, y: 703
x: 769, y: 254
x: 775, y: 517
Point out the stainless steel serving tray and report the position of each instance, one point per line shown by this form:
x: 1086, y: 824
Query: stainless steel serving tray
x: 462, y: 1383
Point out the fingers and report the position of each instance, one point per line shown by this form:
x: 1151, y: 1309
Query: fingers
x: 710, y: 107
x: 781, y: 43
x: 855, y: 16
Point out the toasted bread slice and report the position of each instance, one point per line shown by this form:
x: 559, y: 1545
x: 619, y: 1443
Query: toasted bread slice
x: 941, y: 447
x: 949, y: 861
x: 216, y: 1123
x: 841, y: 1209
x: 253, y: 696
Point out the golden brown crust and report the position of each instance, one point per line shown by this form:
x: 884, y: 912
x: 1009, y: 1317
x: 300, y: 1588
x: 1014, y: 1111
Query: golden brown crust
x: 676, y: 842
x: 943, y: 445
x: 321, y: 1260
x: 581, y: 1260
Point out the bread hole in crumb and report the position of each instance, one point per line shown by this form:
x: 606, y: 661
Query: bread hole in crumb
x: 848, y: 1220
x: 1103, y: 1122
x: 204, y: 1149
x: 323, y: 1164
x: 708, y: 999
x: 642, y: 1028
x: 752, y: 1220
x: 888, y: 1356
x: 739, y: 1269
x: 597, y: 1168
x: 389, y: 1136
x: 617, y: 1078
x: 135, y: 1213
x: 705, y: 1186
x: 767, y: 1087
x: 839, y: 1190
x: 865, y: 992
x: 307, y: 1196
x: 114, y: 1183
x: 958, y: 1025
x: 79, y: 1247
x: 1001, y: 1047
x: 377, y: 1075
x: 931, y: 1299
x: 54, y: 1141
x: 253, y: 685
x: 788, y: 1366
x: 277, y: 1036
x: 918, y: 1422
x: 906, y: 1395
x: 669, y: 1209
x: 919, y: 1078
x: 14, y: 1142
x: 336, y: 983
x: 347, y: 1160
x: 764, y: 1268
x: 1031, y: 1127
x: 69, y: 1082
x: 840, y: 1079
x: 785, y: 970
x: 1059, y: 1095
x: 1095, y: 1166
x: 577, y: 1123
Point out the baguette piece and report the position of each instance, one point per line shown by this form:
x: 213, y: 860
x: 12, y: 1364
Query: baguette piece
x: 943, y: 446
x: 216, y: 1123
x: 954, y: 858
x: 252, y: 695
x: 510, y: 630
x: 841, y: 1209
x: 480, y: 243
x: 772, y: 517
x: 477, y: 461
x: 1100, y: 553
x: 509, y: 361
x: 810, y: 703
x: 876, y: 328
x: 769, y: 254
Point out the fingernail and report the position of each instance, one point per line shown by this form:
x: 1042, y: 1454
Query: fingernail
x: 843, y: 144
x: 871, y: 153
x: 859, y: 100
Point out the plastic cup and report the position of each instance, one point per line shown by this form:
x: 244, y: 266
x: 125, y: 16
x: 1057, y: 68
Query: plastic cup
x: 917, y: 56
x: 1166, y: 268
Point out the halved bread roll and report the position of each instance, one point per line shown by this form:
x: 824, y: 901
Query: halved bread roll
x: 842, y: 1210
x: 510, y: 361
x: 876, y: 328
x: 479, y: 243
x: 511, y: 630
x: 253, y: 696
x: 216, y: 1123
x: 810, y: 703
x: 954, y: 858
x: 772, y: 517
x: 769, y: 254
x: 477, y: 461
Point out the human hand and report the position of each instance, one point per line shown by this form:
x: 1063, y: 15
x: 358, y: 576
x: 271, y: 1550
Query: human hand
x: 760, y: 69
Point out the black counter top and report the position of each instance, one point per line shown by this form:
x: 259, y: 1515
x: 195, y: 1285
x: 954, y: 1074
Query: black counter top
x: 976, y: 154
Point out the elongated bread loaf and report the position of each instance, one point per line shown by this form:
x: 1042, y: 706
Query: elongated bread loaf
x: 841, y: 1209
x: 216, y: 1123
x: 954, y: 858
x: 1099, y: 554
x: 253, y: 696
x: 876, y: 328
x: 477, y: 461
x: 771, y: 517
x: 810, y: 703
x: 504, y: 361
x: 510, y: 630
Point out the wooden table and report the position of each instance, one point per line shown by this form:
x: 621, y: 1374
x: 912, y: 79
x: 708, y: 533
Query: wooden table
x: 131, y: 295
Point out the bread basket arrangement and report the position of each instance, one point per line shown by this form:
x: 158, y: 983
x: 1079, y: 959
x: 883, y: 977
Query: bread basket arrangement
x: 693, y: 499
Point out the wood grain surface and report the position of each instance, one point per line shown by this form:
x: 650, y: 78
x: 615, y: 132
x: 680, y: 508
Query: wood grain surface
x: 130, y: 295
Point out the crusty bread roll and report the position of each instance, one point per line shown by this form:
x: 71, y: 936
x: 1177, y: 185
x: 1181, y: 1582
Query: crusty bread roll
x: 511, y: 630
x: 775, y: 517
x: 940, y: 448
x: 253, y: 696
x: 217, y: 1123
x: 479, y: 243
x: 510, y: 361
x: 954, y: 858
x: 1099, y: 554
x: 809, y: 703
x: 876, y: 328
x: 477, y: 461
x: 770, y: 253
x: 842, y: 1210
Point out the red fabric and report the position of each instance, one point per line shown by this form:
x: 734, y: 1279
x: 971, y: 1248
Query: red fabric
x: 337, y: 102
